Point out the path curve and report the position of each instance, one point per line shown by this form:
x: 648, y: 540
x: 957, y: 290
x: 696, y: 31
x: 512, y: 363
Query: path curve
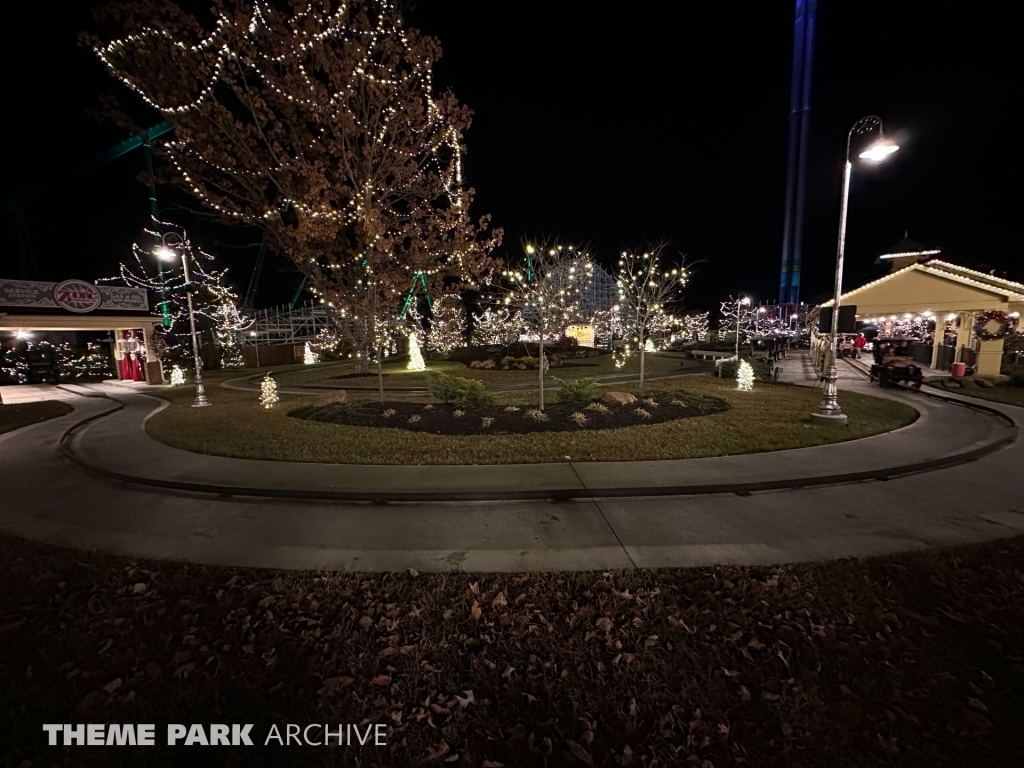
x: 46, y: 498
x: 943, y: 435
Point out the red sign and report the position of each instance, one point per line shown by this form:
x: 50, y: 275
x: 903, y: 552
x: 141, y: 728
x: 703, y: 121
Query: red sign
x: 77, y: 296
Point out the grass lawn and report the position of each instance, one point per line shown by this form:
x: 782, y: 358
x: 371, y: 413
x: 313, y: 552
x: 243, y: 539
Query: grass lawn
x: 911, y: 660
x: 17, y: 415
x: 1000, y: 394
x: 771, y: 417
x: 399, y: 376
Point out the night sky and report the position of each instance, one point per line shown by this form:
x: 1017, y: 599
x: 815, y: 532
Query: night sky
x: 611, y: 125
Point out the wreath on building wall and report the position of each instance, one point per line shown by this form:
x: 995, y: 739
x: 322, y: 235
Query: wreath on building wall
x: 1007, y: 325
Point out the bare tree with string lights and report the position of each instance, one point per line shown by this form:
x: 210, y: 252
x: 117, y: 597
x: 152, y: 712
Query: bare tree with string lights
x: 546, y: 287
x: 648, y: 282
x: 321, y: 128
x: 212, y: 298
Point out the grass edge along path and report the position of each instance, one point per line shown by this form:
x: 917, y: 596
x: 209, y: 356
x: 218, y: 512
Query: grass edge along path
x: 17, y: 415
x: 770, y: 418
x: 903, y: 660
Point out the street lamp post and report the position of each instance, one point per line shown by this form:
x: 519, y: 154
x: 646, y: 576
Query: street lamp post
x: 740, y: 304
x: 167, y: 253
x: 877, y: 152
x: 256, y: 340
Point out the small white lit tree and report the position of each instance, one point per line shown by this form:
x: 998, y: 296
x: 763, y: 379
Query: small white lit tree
x: 647, y: 282
x: 744, y: 376
x: 546, y: 288
x: 497, y: 325
x: 268, y: 392
x: 309, y: 357
x: 415, y: 356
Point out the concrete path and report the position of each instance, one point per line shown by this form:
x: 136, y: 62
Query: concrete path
x: 940, y: 431
x: 47, y: 498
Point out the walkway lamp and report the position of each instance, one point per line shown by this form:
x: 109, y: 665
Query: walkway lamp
x: 740, y: 304
x: 167, y: 252
x: 878, y: 151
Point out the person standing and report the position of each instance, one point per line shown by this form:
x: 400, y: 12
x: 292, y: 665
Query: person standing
x: 858, y: 344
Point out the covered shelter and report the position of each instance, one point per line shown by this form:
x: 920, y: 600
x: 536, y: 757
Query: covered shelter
x: 952, y: 297
x: 30, y: 307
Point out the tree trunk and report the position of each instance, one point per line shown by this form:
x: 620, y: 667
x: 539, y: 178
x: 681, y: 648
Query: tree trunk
x: 540, y: 370
x: 380, y: 370
x: 642, y: 353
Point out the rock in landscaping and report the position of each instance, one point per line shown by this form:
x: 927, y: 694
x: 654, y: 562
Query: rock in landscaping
x: 950, y: 383
x: 983, y: 383
x: 620, y: 398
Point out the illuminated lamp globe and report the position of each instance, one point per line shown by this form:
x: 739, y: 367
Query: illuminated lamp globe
x: 165, y: 254
x: 879, y: 151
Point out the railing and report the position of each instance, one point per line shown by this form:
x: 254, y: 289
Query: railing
x: 968, y: 356
x: 922, y: 353
x: 946, y: 358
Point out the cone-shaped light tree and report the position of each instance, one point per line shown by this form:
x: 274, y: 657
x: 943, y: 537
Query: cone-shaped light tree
x: 648, y: 283
x: 321, y: 128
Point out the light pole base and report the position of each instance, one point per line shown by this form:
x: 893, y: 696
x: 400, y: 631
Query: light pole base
x: 837, y: 420
x: 203, y: 404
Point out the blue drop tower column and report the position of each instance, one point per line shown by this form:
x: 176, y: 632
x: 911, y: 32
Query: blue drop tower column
x: 799, y: 133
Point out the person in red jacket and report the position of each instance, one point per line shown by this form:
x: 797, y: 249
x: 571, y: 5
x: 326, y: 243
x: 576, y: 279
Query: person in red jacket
x: 858, y: 344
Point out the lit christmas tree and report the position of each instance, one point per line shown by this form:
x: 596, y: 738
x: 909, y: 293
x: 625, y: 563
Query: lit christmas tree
x: 309, y: 357
x: 268, y: 392
x: 415, y: 356
x: 744, y: 377
x: 177, y: 376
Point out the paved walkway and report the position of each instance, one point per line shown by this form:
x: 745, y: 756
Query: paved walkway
x: 49, y: 499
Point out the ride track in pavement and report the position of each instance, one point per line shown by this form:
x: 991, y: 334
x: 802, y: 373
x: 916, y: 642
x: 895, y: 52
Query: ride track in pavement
x: 144, y: 499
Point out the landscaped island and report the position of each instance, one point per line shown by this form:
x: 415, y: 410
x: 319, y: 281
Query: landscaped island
x: 769, y: 418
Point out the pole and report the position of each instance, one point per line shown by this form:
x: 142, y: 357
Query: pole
x: 829, y: 406
x: 153, y: 212
x: 201, y: 399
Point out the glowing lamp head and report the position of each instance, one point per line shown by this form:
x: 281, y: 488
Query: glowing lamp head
x: 165, y: 254
x: 879, y: 151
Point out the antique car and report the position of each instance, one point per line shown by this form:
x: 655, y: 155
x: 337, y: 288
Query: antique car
x: 845, y: 346
x: 894, y: 362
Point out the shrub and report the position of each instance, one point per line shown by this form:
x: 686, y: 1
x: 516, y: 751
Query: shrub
x: 578, y: 394
x: 463, y: 393
x: 1017, y: 379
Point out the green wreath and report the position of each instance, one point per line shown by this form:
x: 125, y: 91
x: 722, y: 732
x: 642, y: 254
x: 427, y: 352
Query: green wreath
x: 1007, y: 325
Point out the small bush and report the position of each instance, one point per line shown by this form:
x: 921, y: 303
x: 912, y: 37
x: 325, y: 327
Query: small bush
x: 578, y: 394
x: 1017, y: 379
x: 462, y: 393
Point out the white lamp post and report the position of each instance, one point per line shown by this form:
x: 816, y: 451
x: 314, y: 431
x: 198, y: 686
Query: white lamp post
x: 878, y: 151
x: 167, y: 253
x: 740, y: 304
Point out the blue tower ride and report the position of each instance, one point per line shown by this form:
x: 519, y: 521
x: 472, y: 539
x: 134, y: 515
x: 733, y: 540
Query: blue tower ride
x: 799, y: 133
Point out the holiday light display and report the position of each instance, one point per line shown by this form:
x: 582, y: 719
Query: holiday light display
x: 546, y: 287
x: 608, y: 326
x: 695, y: 326
x: 744, y: 376
x: 272, y: 109
x: 268, y: 392
x: 447, y: 324
x: 645, y: 287
x: 212, y: 299
x: 735, y: 316
x: 309, y: 357
x: 177, y: 376
x: 415, y: 356
x: 497, y: 325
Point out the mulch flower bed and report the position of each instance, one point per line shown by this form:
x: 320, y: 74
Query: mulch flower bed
x: 446, y: 419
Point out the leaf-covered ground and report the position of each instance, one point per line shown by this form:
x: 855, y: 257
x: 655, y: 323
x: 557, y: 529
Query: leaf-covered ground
x: 910, y: 660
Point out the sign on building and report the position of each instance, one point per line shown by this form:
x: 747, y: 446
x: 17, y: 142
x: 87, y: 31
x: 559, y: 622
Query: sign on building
x: 72, y: 295
x: 584, y: 334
